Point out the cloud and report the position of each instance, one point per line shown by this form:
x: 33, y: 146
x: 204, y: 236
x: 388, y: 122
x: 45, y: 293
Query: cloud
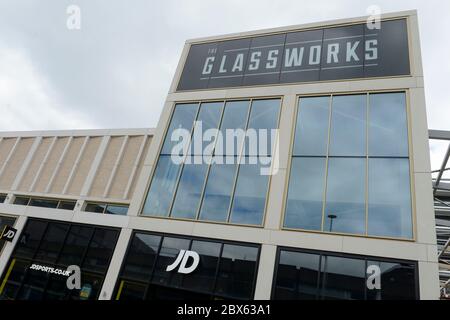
x: 27, y: 100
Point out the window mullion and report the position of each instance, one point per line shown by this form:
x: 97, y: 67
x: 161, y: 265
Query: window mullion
x: 326, y: 163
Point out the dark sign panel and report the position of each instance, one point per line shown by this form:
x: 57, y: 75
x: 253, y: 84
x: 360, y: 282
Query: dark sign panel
x: 8, y: 234
x: 348, y: 52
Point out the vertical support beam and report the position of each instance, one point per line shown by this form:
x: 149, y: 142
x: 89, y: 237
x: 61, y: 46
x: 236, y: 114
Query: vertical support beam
x: 26, y: 163
x: 95, y: 165
x: 135, y: 166
x: 44, y: 161
x: 58, y: 165
x: 75, y: 165
x: 116, y: 166
x: 265, y: 272
x: 8, y: 158
x: 115, y: 265
x: 9, y: 246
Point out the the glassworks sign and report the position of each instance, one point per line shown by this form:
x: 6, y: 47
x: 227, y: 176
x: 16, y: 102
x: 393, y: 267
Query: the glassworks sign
x: 336, y: 53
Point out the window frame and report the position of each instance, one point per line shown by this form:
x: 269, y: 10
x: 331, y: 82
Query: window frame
x: 239, y: 156
x: 291, y: 155
x: 322, y: 253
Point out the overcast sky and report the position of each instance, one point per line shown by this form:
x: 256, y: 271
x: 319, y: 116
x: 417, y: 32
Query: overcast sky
x: 116, y: 70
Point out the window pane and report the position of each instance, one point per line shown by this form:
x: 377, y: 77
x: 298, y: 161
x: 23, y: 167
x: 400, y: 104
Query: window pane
x: 398, y: 282
x: 100, y: 250
x: 66, y: 205
x: 263, y: 116
x: 162, y: 188
x: 237, y: 272
x: 389, y: 198
x: 208, y: 118
x: 21, y: 201
x: 52, y: 242
x: 203, y: 278
x: 343, y: 278
x: 183, y: 117
x: 76, y: 244
x: 95, y: 207
x: 345, y: 206
x: 189, y: 191
x: 34, y: 285
x: 234, y: 117
x: 2, y: 198
x: 141, y: 257
x: 250, y: 195
x: 43, y: 203
x: 131, y: 291
x: 117, y: 210
x: 348, y: 126
x: 30, y: 238
x: 169, y: 251
x: 388, y: 133
x: 90, y: 288
x: 216, y: 200
x: 297, y: 276
x: 305, y: 197
x: 311, y: 132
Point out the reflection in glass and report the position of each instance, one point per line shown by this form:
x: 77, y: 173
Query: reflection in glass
x: 297, y: 276
x: 162, y: 188
x: 389, y: 198
x: 141, y: 256
x: 263, y: 116
x: 30, y: 238
x: 189, y: 191
x: 208, y: 118
x: 170, y: 249
x: 305, y: 195
x: 348, y: 126
x: 100, y: 250
x: 237, y: 272
x: 388, y: 133
x: 183, y: 117
x: 234, y: 117
x: 203, y: 278
x: 311, y: 132
x: 342, y: 278
x: 219, y: 187
x: 250, y: 194
x: 76, y: 243
x: 397, y: 281
x: 345, y: 199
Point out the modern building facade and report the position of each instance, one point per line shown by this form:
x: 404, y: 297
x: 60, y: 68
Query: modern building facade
x: 334, y: 201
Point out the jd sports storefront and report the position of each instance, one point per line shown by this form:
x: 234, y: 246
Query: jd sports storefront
x: 44, y: 251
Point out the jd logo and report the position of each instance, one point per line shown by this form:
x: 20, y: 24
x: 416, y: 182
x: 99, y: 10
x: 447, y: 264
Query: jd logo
x: 8, y: 234
x: 182, y: 260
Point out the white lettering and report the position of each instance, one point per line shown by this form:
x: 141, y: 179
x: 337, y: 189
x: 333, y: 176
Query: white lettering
x: 222, y: 65
x: 238, y: 63
x: 333, y: 50
x: 207, y: 68
x: 254, y: 61
x: 314, y: 55
x: 294, y: 57
x: 272, y: 59
x: 372, y: 49
x: 351, y: 51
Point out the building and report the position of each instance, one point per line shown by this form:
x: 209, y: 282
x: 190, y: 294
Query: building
x: 441, y: 193
x: 335, y: 203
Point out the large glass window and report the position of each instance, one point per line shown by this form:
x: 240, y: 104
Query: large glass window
x: 318, y: 275
x: 224, y: 270
x: 352, y: 161
x: 213, y: 182
x: 389, y: 198
x: 306, y: 190
x: 57, y: 245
